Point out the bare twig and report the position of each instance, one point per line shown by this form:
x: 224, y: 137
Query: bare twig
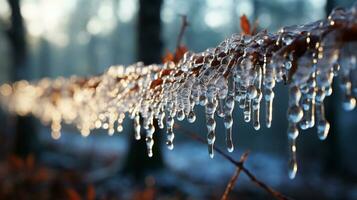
x: 274, y: 193
x: 234, y: 178
x: 184, y: 25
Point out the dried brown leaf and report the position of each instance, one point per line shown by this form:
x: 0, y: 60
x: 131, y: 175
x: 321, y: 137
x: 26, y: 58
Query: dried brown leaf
x: 245, y: 25
x: 180, y: 51
x: 168, y: 57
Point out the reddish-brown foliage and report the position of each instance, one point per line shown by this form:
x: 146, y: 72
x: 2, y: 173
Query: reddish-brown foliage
x: 245, y: 25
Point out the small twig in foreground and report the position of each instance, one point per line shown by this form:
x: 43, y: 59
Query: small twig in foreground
x: 234, y: 178
x: 259, y: 183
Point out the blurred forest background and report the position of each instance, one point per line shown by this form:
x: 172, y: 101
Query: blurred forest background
x: 51, y: 38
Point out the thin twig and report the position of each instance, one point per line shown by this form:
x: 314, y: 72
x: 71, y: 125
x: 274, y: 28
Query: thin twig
x: 184, y: 25
x: 259, y: 183
x: 234, y: 178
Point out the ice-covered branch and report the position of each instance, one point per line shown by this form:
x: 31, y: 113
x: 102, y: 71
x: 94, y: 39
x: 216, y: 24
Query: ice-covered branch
x: 242, y: 70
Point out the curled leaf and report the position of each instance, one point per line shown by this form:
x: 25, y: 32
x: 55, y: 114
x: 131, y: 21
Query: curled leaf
x: 245, y: 25
x: 168, y: 57
x: 175, y: 57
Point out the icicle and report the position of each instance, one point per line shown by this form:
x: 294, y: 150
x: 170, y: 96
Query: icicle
x: 220, y: 111
x: 191, y: 117
x: 56, y: 129
x: 295, y: 114
x: 211, y: 136
x: 242, y: 69
x: 349, y: 102
x: 149, y: 139
x: 180, y: 115
x: 210, y: 121
x: 222, y: 94
x: 256, y: 102
x: 242, y: 97
x: 137, y: 127
x: 228, y: 118
x: 203, y: 98
x: 269, y: 97
x: 292, y: 166
x: 170, y: 134
x: 160, y: 118
x: 247, y: 109
x: 56, y: 126
x: 323, y: 126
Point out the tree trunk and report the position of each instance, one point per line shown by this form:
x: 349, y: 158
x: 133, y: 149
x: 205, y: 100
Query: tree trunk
x: 149, y: 46
x: 26, y: 141
x: 332, y: 154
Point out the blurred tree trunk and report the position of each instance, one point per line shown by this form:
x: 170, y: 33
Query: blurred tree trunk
x: 25, y: 136
x: 332, y: 155
x: 45, y: 58
x: 149, y: 46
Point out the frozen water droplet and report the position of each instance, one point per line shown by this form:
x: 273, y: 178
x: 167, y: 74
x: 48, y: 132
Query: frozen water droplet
x: 287, y: 39
x: 170, y: 134
x: 268, y: 113
x: 252, y: 92
x: 349, y: 103
x: 150, y: 131
x: 295, y: 95
x: 241, y: 102
x: 328, y: 91
x: 149, y: 144
x: 247, y: 110
x: 287, y: 65
x: 256, y: 125
x: 336, y: 68
x: 295, y: 113
x: 119, y: 128
x: 220, y: 111
x: 180, y: 115
x: 320, y: 95
x: 323, y: 128
x: 203, y: 100
x: 170, y: 145
x: 229, y: 140
x: 228, y: 121
x: 305, y: 103
x: 292, y: 168
x: 293, y: 131
x: 211, y: 137
x: 191, y: 117
x: 304, y: 124
x: 211, y: 150
x: 137, y: 127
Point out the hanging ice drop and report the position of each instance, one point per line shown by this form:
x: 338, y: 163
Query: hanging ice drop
x: 292, y: 166
x: 323, y: 128
x: 137, y: 127
x: 349, y: 102
x: 149, y: 139
x: 170, y: 134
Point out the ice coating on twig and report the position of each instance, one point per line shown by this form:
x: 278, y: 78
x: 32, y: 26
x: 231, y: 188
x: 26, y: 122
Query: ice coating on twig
x: 242, y: 70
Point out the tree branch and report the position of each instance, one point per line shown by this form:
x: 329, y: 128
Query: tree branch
x: 184, y: 25
x: 251, y: 176
x: 234, y: 178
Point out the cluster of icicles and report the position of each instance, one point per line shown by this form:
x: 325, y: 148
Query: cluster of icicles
x: 243, y: 70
